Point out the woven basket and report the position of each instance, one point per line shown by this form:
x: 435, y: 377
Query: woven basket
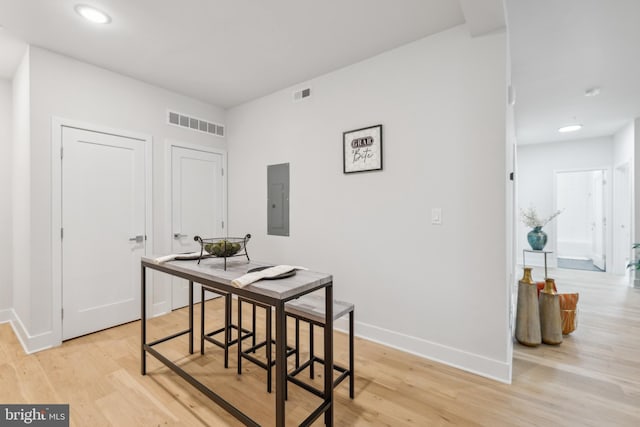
x: 569, y: 312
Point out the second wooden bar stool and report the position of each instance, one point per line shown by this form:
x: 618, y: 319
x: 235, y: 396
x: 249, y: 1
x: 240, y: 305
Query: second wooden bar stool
x: 311, y: 309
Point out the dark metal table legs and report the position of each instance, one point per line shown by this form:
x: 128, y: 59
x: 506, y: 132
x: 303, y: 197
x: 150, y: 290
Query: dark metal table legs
x: 143, y: 320
x: 202, y: 333
x: 328, y: 355
x: 351, y: 364
x: 227, y: 328
x: 190, y: 317
x: 240, y: 341
x: 281, y: 362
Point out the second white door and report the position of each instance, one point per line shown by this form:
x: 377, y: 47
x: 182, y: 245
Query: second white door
x: 196, y: 206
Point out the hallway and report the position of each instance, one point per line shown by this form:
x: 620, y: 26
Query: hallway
x: 595, y: 370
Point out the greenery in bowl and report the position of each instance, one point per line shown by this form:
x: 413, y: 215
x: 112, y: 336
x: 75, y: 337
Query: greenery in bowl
x: 222, y: 248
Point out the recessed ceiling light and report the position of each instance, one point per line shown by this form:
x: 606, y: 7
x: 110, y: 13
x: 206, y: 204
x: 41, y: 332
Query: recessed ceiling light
x: 570, y: 128
x: 92, y: 14
x: 594, y: 91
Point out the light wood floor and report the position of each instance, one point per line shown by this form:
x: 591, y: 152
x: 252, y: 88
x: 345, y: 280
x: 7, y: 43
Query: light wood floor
x: 592, y: 379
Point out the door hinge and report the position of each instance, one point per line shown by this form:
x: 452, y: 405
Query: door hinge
x: 511, y: 176
x: 222, y: 224
x: 62, y: 313
x: 61, y: 233
x: 61, y: 152
x: 222, y: 171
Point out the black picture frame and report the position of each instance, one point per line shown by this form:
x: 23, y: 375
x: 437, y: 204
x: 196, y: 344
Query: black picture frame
x: 362, y: 150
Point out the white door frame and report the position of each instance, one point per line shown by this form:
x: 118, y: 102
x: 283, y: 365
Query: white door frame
x: 57, y: 123
x: 607, y: 201
x: 165, y: 305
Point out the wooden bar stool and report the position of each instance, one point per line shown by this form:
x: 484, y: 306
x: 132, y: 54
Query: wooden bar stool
x: 311, y: 309
x: 250, y: 353
x: 227, y: 329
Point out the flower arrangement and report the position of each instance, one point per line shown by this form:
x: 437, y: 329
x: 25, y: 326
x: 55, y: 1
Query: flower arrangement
x: 531, y: 219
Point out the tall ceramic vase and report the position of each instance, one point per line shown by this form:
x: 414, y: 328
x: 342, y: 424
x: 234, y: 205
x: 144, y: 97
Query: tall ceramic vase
x: 528, y: 315
x: 550, y: 318
x: 537, y: 239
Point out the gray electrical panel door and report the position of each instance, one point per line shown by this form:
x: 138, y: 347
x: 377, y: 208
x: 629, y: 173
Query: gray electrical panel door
x: 278, y: 199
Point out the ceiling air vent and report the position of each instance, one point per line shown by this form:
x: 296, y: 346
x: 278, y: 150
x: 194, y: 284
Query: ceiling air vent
x: 301, y: 94
x: 184, y: 121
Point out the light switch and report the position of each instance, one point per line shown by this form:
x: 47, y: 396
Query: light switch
x: 436, y: 216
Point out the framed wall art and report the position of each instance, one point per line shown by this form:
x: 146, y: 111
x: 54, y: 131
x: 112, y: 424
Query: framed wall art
x: 362, y: 149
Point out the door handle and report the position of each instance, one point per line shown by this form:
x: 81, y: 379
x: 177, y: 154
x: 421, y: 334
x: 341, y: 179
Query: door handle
x: 138, y: 239
x: 179, y: 235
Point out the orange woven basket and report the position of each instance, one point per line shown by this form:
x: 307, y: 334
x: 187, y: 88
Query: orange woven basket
x: 568, y: 312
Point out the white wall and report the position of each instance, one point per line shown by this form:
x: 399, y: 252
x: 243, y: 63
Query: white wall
x: 537, y: 165
x: 66, y: 88
x: 6, y: 260
x: 438, y: 291
x: 21, y: 208
x: 623, y: 141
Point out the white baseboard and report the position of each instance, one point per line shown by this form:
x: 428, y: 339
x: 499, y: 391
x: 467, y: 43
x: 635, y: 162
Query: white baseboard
x: 470, y: 362
x: 30, y: 343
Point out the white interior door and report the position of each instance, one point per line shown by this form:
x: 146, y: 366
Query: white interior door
x: 196, y: 206
x: 622, y: 214
x: 598, y: 224
x: 103, y: 220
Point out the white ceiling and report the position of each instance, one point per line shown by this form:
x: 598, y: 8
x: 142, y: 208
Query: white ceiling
x: 559, y: 49
x: 226, y: 52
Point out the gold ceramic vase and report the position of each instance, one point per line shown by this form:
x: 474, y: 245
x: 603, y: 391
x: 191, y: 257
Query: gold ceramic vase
x: 528, y: 315
x: 550, y: 318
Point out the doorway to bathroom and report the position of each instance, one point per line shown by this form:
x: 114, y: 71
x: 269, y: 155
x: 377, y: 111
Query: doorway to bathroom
x: 582, y: 227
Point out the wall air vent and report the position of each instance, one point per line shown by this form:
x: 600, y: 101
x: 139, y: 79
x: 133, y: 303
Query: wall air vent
x: 184, y: 121
x: 301, y: 94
